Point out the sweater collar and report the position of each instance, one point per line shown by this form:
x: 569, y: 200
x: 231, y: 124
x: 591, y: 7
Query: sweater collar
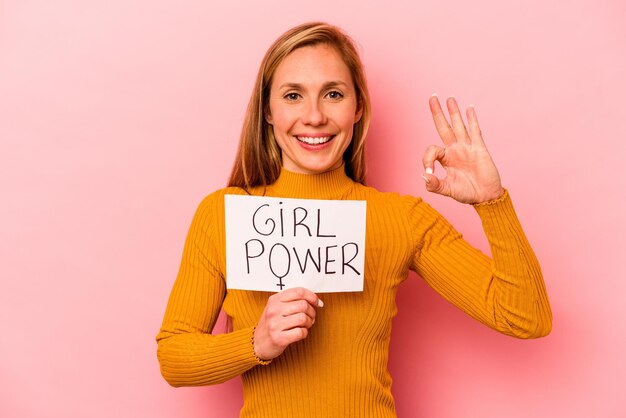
x: 329, y: 185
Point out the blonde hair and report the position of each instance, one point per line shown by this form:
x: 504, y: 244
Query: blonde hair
x: 258, y: 161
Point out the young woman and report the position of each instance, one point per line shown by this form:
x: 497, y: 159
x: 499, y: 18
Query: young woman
x: 303, y: 137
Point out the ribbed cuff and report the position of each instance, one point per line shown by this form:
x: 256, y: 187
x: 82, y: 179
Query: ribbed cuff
x: 504, y: 196
x: 259, y: 360
x: 498, y: 215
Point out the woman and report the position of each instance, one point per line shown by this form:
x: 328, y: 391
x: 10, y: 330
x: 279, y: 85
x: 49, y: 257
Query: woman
x: 303, y: 137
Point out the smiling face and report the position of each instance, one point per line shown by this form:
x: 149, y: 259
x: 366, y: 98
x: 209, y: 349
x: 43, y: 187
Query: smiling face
x: 313, y: 107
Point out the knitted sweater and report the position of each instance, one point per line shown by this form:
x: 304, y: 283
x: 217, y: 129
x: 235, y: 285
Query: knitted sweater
x: 340, y: 369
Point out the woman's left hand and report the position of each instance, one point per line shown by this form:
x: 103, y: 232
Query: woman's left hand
x: 471, y: 175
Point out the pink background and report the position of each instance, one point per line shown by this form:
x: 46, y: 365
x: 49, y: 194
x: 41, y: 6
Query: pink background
x: 117, y: 117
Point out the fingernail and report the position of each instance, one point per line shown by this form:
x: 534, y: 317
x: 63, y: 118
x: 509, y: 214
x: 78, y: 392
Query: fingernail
x: 429, y: 170
x: 313, y: 321
x: 433, y: 95
x: 425, y: 179
x: 320, y: 303
x: 452, y: 96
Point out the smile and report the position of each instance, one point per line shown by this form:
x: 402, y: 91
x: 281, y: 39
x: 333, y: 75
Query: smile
x: 314, y: 140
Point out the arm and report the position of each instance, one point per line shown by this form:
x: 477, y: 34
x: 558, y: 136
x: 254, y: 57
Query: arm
x: 188, y: 354
x: 508, y: 292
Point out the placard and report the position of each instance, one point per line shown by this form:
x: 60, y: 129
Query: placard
x: 274, y: 244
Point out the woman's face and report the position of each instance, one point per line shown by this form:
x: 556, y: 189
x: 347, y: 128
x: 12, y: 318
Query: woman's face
x: 312, y: 109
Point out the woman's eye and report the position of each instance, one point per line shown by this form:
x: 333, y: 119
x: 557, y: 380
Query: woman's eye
x: 335, y: 95
x: 292, y: 96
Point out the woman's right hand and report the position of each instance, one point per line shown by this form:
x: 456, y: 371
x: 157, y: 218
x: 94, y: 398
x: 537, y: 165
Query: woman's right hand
x: 286, y: 319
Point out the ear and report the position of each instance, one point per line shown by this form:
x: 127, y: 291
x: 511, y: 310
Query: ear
x: 268, y: 115
x: 359, y: 112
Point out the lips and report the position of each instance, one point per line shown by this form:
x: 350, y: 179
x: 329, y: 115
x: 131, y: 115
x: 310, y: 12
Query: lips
x: 314, y: 140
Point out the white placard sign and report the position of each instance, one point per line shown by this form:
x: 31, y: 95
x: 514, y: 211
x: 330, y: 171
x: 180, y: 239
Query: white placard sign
x: 278, y: 243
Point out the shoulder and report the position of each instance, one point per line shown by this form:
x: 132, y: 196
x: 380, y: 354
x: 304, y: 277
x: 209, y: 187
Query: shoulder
x: 217, y: 197
x: 407, y: 208
x: 392, y: 200
x: 211, y: 207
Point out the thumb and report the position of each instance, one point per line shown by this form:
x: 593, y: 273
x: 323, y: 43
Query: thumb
x: 434, y: 184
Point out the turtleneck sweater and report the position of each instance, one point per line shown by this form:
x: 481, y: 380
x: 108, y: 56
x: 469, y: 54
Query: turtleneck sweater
x: 340, y: 369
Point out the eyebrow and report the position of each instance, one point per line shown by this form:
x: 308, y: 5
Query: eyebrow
x: 328, y: 84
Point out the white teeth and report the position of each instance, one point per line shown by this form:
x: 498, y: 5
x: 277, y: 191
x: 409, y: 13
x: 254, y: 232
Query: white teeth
x: 314, y: 141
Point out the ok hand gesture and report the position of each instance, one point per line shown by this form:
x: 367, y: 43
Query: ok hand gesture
x: 471, y: 175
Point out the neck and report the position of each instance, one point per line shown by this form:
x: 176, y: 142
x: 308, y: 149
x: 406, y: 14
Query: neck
x: 329, y: 185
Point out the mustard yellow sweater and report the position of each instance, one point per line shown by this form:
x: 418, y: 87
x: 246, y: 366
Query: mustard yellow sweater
x: 340, y: 370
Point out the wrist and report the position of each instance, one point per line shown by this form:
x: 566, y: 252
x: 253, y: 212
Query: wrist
x: 498, y: 198
x: 260, y: 359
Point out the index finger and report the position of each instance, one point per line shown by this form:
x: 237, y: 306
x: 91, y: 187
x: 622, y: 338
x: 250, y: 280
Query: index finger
x: 297, y: 293
x: 441, y: 123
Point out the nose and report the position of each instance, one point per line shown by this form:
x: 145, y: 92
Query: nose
x: 314, y: 114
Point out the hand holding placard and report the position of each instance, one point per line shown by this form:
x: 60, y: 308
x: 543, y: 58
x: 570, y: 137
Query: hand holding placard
x: 278, y: 243
x: 287, y: 318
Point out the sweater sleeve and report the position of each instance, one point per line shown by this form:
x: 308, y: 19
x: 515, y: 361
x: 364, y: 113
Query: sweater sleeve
x: 189, y: 355
x: 507, y: 292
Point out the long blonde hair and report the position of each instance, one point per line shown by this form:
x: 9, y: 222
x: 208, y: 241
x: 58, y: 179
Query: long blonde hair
x: 258, y: 161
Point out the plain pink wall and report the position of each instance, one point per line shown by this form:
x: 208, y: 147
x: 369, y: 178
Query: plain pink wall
x: 117, y: 117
